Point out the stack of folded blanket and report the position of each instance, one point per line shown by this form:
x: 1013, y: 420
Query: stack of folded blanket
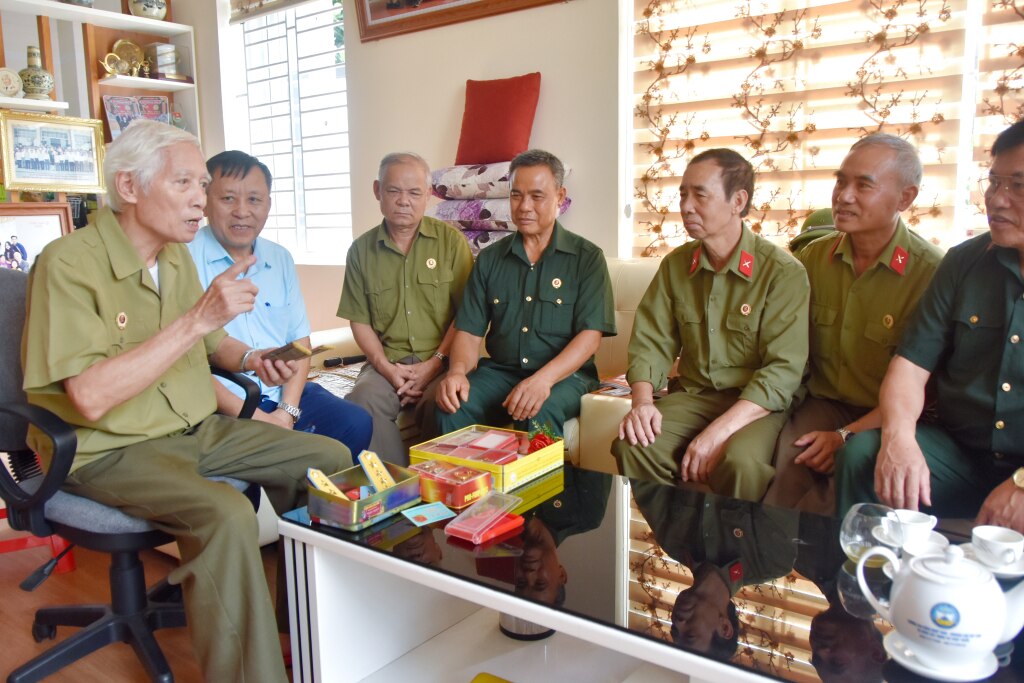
x: 475, y: 200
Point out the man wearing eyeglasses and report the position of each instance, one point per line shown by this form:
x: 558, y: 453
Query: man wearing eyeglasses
x: 966, y: 338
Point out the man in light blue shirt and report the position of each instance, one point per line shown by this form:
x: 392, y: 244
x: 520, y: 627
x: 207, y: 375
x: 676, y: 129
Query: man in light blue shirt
x: 237, y: 206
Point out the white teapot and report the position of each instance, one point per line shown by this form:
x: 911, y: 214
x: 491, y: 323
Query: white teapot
x: 949, y: 610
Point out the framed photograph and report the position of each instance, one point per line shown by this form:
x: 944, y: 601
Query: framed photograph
x: 49, y: 153
x: 385, y: 18
x: 27, y: 227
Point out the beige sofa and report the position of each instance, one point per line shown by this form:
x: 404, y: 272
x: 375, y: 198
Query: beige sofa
x: 587, y: 447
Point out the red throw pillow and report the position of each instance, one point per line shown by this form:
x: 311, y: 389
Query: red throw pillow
x: 498, y: 119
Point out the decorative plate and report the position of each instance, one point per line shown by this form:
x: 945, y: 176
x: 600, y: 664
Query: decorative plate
x: 10, y: 82
x: 128, y: 51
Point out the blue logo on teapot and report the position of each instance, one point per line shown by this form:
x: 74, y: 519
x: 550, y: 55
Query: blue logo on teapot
x: 944, y: 615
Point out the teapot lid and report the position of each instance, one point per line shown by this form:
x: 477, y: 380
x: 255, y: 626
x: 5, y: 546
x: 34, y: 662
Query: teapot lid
x: 950, y: 567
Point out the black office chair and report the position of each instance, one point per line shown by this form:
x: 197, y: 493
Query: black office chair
x: 36, y: 504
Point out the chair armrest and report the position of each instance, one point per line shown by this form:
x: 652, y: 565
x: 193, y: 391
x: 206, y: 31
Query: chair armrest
x: 251, y: 389
x: 25, y: 506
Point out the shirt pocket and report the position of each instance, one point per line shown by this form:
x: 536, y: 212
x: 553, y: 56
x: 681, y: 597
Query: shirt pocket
x: 977, y: 342
x: 741, y: 339
x: 436, y: 285
x: 557, y: 308
x: 824, y: 333
x: 878, y: 349
x: 690, y: 321
x: 383, y: 304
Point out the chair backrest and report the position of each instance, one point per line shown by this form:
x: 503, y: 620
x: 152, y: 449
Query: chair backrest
x: 13, y: 285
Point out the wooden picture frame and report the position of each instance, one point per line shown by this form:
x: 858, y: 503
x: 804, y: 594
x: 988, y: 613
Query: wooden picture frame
x: 385, y: 18
x: 27, y: 227
x: 47, y: 153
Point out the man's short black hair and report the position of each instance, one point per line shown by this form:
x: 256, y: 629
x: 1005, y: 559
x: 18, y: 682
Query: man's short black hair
x: 236, y: 164
x: 737, y: 173
x: 1009, y: 139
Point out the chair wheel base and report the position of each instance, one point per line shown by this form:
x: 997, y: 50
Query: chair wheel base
x: 41, y: 632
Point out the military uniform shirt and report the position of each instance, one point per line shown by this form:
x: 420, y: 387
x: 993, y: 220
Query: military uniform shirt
x: 408, y: 300
x: 856, y: 322
x: 535, y: 310
x: 967, y: 331
x: 91, y: 298
x: 744, y: 327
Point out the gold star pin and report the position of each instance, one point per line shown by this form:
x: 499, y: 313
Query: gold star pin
x: 887, y: 321
x: 556, y: 283
x: 745, y: 309
x: 974, y: 319
x: 431, y: 263
x: 122, y: 320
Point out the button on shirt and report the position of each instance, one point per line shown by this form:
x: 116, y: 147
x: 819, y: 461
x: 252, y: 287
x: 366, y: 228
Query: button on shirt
x: 730, y: 329
x: 535, y: 310
x: 91, y: 298
x: 408, y: 300
x: 966, y: 331
x: 856, y: 322
x: 279, y: 315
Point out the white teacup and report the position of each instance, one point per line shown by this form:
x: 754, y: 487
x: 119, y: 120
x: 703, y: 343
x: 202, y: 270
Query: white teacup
x: 997, y: 546
x: 914, y: 527
x: 934, y: 544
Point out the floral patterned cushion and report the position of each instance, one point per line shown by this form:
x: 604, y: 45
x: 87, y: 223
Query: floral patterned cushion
x: 479, y: 214
x: 480, y: 181
x: 478, y: 239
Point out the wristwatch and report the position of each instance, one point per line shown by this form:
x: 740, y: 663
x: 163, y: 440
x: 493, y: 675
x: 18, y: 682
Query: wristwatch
x: 845, y: 433
x: 1018, y: 478
x: 440, y: 356
x: 294, y: 411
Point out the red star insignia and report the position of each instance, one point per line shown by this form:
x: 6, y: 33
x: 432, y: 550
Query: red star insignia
x: 899, y: 259
x: 746, y: 264
x: 695, y: 261
x: 736, y: 571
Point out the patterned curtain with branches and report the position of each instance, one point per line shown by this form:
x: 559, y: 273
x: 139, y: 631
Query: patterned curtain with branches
x: 791, y: 85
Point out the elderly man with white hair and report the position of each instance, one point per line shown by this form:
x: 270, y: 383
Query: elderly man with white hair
x: 118, y: 341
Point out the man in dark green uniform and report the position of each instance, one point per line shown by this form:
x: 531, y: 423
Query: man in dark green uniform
x: 403, y: 282
x: 118, y: 340
x: 733, y: 308
x: 865, y: 280
x: 546, y: 295
x: 965, y: 336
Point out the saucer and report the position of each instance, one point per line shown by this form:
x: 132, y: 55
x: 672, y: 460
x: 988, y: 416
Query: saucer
x: 882, y: 536
x: 902, y: 655
x: 1013, y: 570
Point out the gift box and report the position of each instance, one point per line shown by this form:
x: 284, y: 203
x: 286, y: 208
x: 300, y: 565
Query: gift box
x: 353, y: 515
x: 451, y: 484
x: 507, y: 473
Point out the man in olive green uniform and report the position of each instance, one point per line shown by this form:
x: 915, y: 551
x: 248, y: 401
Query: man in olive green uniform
x: 403, y: 282
x: 546, y: 296
x: 733, y: 308
x: 117, y: 340
x: 865, y: 282
x: 966, y: 337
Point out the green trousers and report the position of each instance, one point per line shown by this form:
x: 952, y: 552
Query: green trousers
x: 744, y: 470
x: 961, y: 479
x: 490, y: 384
x: 232, y: 621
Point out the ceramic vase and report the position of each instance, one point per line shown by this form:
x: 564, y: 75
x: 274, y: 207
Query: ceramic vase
x: 80, y: 3
x: 151, y: 9
x: 35, y: 80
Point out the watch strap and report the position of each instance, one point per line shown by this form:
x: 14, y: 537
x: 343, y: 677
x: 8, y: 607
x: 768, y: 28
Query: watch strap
x: 294, y: 411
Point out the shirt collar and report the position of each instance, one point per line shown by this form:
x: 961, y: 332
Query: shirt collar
x: 425, y: 228
x: 560, y: 241
x: 215, y: 251
x: 742, y: 261
x: 895, y: 254
x: 124, y: 260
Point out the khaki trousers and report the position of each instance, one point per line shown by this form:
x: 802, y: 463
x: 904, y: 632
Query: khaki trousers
x: 799, y: 487
x: 744, y: 470
x: 227, y: 601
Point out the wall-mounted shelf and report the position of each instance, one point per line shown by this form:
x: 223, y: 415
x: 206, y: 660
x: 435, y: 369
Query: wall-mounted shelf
x: 137, y: 83
x: 88, y: 15
x: 22, y: 104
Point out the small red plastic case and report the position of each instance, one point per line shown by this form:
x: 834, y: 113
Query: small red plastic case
x: 487, y: 518
x: 496, y: 457
x: 494, y: 438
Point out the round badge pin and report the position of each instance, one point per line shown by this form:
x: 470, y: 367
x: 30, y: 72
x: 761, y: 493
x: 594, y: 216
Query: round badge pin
x: 431, y: 263
x: 745, y: 309
x: 556, y: 283
x: 122, y: 320
x: 888, y: 321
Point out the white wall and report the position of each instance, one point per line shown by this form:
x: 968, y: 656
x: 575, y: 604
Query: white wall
x: 408, y: 92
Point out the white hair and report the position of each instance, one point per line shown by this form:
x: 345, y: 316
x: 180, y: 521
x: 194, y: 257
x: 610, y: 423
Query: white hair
x: 908, y: 164
x: 139, y: 151
x: 396, y: 158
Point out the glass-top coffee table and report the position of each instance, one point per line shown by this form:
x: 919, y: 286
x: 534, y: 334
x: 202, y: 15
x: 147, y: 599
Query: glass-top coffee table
x: 639, y: 582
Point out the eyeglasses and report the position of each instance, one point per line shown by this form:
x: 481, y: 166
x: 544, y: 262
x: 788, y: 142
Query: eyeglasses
x: 1014, y: 186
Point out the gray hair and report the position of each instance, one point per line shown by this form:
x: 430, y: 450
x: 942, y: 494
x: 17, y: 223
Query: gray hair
x: 908, y: 164
x: 395, y: 158
x: 538, y: 157
x: 139, y: 151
